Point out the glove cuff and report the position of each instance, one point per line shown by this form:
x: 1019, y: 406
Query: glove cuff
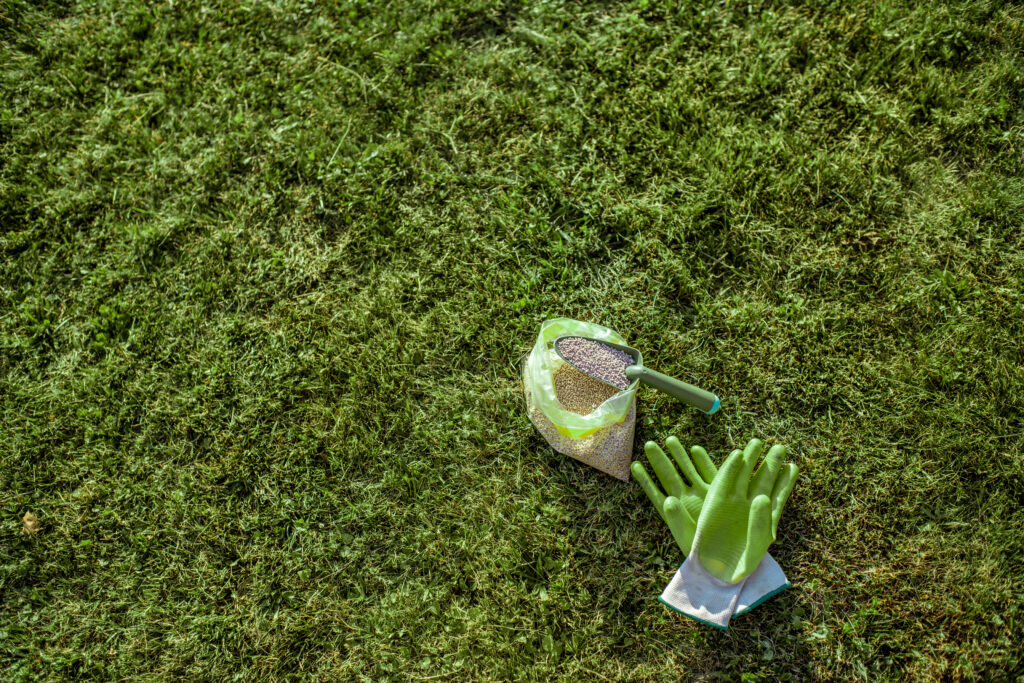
x: 695, y: 593
x: 767, y: 580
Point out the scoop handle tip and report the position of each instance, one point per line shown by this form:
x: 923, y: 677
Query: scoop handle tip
x: 715, y: 407
x: 693, y: 396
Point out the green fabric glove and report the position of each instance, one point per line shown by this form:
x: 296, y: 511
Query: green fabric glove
x: 690, y: 592
x: 741, y: 513
x: 688, y: 496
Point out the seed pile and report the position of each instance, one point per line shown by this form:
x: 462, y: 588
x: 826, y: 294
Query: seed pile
x: 604, y: 362
x: 578, y: 392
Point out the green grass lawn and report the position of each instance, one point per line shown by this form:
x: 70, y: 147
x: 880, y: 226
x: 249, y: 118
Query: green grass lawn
x: 268, y: 270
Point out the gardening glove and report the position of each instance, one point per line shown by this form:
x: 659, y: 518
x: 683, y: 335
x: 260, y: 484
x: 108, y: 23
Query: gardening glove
x: 768, y: 579
x: 735, y: 528
x: 689, y: 492
x: 682, y: 507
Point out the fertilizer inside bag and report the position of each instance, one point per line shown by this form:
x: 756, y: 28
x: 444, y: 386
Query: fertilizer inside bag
x: 589, y: 422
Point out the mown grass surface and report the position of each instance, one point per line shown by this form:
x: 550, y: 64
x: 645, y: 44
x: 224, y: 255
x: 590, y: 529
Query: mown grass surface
x: 269, y: 268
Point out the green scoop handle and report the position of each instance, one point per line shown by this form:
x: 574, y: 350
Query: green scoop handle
x: 687, y: 393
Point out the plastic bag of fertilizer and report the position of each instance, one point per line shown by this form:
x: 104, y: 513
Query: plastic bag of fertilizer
x: 579, y: 416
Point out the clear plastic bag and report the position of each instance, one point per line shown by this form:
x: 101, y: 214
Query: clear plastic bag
x: 602, y: 438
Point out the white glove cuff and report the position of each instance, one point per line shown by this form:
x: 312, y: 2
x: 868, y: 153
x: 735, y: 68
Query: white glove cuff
x: 695, y: 593
x: 767, y: 580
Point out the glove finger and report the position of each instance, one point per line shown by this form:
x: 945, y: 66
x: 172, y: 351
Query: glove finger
x: 759, y: 536
x: 704, y: 464
x: 780, y: 493
x: 680, y: 523
x: 664, y: 469
x: 656, y: 497
x: 750, y: 455
x: 729, y: 473
x: 764, y: 478
x: 683, y: 460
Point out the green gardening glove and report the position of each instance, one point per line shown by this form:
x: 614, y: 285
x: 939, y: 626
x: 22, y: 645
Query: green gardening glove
x: 741, y: 514
x: 688, y: 592
x: 687, y: 495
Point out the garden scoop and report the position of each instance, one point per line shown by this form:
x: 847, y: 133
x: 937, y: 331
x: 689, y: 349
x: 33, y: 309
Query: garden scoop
x: 619, y: 365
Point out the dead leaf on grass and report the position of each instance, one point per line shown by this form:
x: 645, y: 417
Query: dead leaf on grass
x: 30, y: 524
x: 868, y: 241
